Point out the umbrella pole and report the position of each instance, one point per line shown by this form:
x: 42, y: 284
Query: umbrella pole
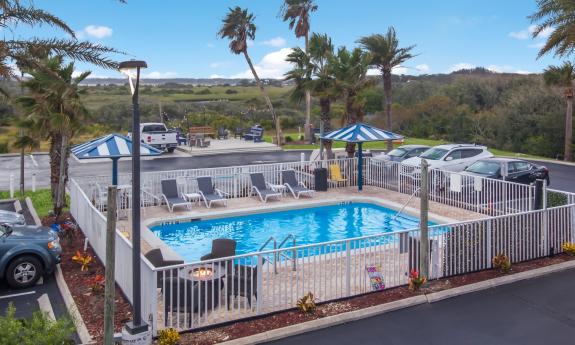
x: 359, y: 167
x: 114, y: 171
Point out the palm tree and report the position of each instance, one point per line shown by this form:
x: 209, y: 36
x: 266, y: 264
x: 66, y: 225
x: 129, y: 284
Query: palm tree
x: 558, y: 15
x: 350, y: 72
x: 238, y: 26
x: 54, y: 111
x: 385, y: 55
x: 297, y: 13
x: 563, y: 77
x: 20, y: 12
x: 314, y: 72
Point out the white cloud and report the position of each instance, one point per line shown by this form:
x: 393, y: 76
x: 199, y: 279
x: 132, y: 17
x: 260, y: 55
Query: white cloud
x: 161, y: 75
x: 520, y: 71
x: 276, y: 42
x: 500, y: 69
x: 537, y: 45
x: 76, y: 74
x: 96, y: 31
x: 423, y: 68
x: 460, y: 66
x: 216, y: 76
x: 210, y: 45
x: 528, y: 33
x: 218, y: 64
x: 399, y: 70
x: 272, y: 65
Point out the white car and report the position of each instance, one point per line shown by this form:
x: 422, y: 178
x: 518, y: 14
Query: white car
x: 451, y: 157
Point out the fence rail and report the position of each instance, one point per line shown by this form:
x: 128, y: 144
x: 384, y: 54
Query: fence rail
x: 205, y: 293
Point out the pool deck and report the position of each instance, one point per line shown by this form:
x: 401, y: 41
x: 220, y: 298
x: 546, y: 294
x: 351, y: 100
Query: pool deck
x: 157, y: 214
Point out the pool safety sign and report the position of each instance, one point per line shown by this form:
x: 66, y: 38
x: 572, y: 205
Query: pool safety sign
x: 375, y: 277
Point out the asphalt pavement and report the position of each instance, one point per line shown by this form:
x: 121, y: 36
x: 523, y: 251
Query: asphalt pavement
x: 531, y: 312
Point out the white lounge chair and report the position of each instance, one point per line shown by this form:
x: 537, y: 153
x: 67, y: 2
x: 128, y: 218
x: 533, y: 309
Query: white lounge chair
x: 210, y: 194
x: 171, y: 196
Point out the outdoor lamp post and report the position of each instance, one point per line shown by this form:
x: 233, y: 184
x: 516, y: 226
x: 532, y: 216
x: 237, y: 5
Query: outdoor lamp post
x: 136, y: 327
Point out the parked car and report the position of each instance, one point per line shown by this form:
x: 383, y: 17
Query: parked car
x: 518, y: 170
x: 27, y: 252
x: 402, y: 153
x: 158, y: 136
x: 9, y: 217
x: 451, y: 157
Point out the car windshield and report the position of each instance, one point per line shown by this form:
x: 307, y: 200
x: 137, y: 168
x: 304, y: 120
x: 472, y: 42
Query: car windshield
x: 484, y: 168
x: 399, y: 152
x: 434, y: 153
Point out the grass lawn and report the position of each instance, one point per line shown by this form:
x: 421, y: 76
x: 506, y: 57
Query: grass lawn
x: 380, y: 145
x: 41, y: 199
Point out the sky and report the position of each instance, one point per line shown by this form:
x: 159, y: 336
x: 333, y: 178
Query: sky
x: 177, y: 38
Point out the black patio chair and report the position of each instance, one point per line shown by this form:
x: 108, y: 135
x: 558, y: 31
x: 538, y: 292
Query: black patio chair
x: 242, y: 282
x: 209, y: 193
x: 156, y: 258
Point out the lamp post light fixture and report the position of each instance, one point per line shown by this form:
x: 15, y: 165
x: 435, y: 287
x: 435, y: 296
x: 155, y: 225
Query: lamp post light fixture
x: 136, y: 327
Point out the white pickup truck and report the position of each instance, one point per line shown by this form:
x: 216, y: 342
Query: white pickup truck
x: 158, y: 136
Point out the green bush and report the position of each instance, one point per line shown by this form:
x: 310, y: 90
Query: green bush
x: 555, y: 199
x: 4, y: 147
x: 39, y: 330
x: 41, y: 198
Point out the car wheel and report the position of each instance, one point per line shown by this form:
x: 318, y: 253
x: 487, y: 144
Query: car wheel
x: 23, y: 272
x: 171, y: 149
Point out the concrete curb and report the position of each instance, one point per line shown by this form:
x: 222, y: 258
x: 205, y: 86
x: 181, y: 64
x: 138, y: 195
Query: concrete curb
x: 327, y: 321
x: 46, y: 306
x: 81, y: 328
x: 33, y: 212
x: 355, y: 315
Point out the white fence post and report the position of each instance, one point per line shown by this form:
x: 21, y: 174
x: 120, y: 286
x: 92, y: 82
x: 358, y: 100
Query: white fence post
x: 348, y: 268
x: 260, y: 284
x: 34, y: 182
x: 11, y: 186
x: 489, y: 244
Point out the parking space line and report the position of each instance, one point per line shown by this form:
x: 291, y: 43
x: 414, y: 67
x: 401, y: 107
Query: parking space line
x: 46, y: 306
x: 18, y: 294
x: 34, y: 160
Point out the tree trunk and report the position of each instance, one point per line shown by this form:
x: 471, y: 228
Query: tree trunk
x: 275, y: 118
x: 63, y: 178
x: 308, y: 133
x: 387, y: 93
x: 569, y: 129
x: 325, y: 105
x: 55, y: 146
x: 351, y: 118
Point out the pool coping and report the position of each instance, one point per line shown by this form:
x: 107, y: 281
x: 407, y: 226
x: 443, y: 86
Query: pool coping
x: 169, y: 253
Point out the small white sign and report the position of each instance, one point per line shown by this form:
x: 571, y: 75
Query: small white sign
x: 455, y: 183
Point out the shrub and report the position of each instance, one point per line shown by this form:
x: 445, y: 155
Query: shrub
x: 502, y: 263
x: 307, y: 303
x: 555, y: 199
x: 288, y: 139
x: 204, y: 92
x: 231, y: 91
x: 569, y: 248
x: 168, y: 336
x: 4, y: 147
x: 96, y: 283
x: 83, y: 259
x: 415, y: 280
x: 39, y: 330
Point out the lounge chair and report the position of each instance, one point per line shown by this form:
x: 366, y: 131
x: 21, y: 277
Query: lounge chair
x: 296, y: 187
x: 171, y: 196
x: 242, y: 282
x: 239, y: 132
x: 256, y: 134
x: 210, y: 194
x: 335, y: 174
x: 262, y: 188
x: 156, y: 258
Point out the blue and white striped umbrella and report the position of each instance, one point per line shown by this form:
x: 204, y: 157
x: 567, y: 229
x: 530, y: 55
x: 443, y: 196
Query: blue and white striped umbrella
x: 111, y: 146
x: 360, y: 132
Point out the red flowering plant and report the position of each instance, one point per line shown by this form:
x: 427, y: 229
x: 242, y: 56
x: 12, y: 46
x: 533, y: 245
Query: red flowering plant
x: 96, y: 283
x: 415, y: 280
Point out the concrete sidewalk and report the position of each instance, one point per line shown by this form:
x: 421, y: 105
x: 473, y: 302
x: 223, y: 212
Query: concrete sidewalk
x: 536, y: 311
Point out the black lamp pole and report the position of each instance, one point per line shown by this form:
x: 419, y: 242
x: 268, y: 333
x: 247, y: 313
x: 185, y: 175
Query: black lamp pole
x: 137, y: 325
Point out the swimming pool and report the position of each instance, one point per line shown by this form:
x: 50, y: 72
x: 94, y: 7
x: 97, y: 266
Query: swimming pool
x: 193, y: 239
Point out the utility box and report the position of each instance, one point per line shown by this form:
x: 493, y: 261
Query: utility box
x: 320, y: 179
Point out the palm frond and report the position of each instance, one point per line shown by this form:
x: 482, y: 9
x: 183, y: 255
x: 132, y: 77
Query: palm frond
x: 32, y: 16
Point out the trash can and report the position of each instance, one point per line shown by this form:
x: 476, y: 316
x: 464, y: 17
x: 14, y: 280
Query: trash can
x: 320, y: 179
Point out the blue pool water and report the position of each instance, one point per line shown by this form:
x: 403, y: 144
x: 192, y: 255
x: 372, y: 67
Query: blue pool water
x: 193, y: 239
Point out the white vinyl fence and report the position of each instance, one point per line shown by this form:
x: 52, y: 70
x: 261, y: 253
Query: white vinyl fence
x: 194, y: 295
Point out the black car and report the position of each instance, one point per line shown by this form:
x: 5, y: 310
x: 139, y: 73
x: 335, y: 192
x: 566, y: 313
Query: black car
x: 518, y: 171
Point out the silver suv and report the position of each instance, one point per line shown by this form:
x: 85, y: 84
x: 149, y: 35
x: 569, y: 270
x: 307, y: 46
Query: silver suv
x: 451, y: 157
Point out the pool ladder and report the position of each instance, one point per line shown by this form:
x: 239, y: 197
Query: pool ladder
x: 405, y: 205
x: 277, y: 255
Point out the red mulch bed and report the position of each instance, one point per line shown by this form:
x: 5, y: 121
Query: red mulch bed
x: 291, y: 317
x: 90, y: 304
